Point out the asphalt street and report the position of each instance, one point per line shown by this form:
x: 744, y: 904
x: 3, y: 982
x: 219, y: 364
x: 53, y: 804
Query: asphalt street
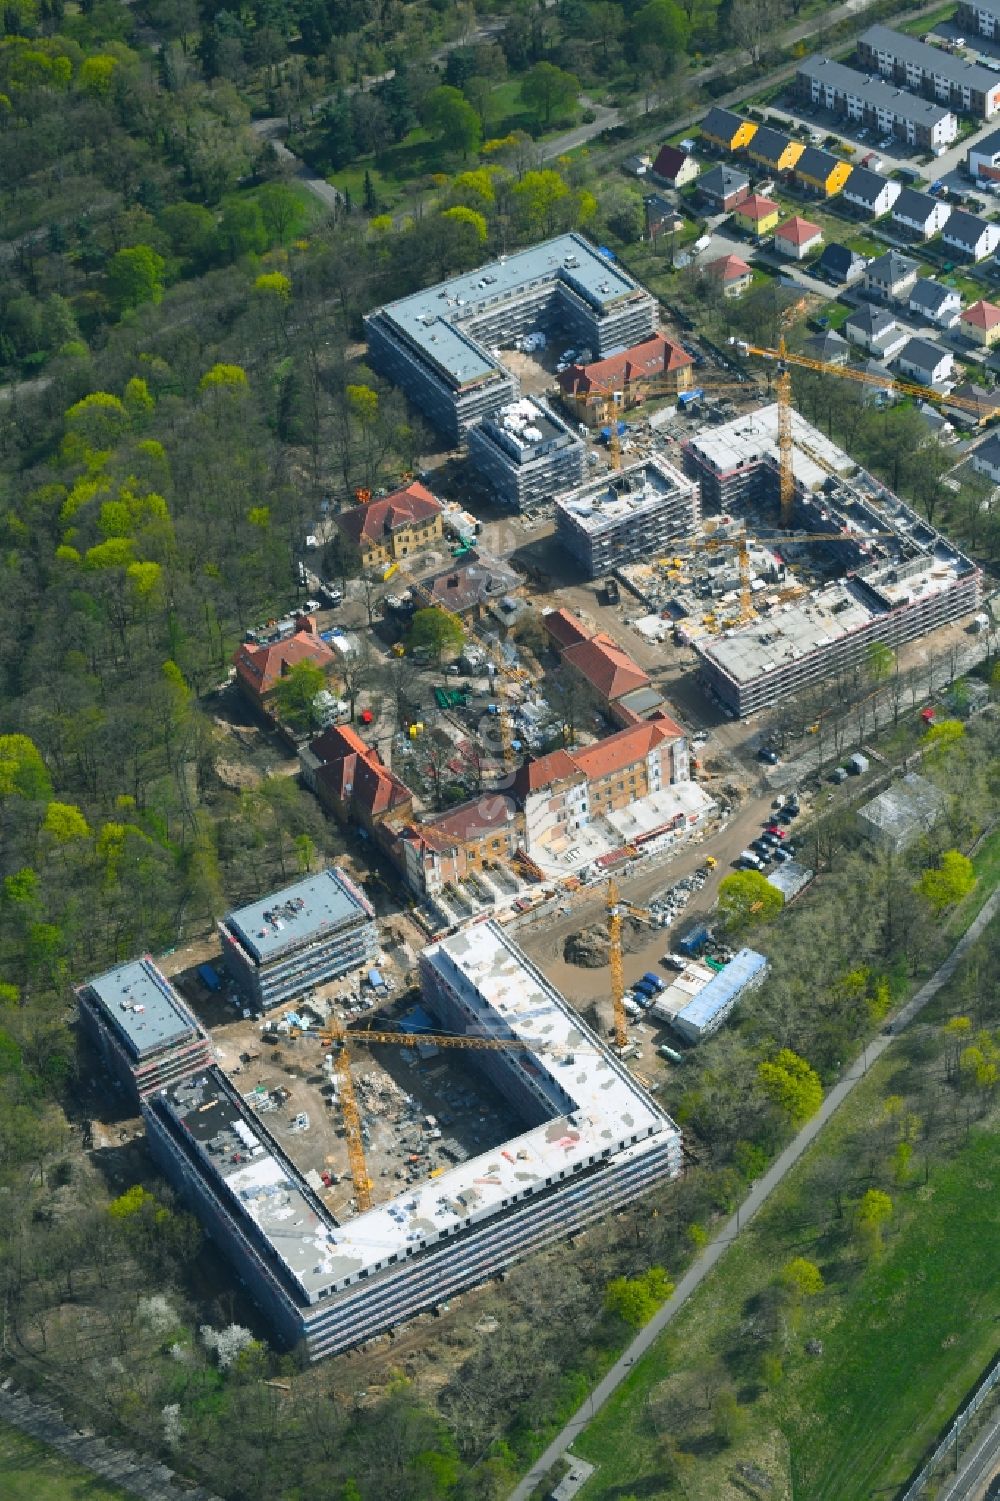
x: 758, y: 1195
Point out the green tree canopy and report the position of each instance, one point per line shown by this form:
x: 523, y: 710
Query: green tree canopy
x: 747, y: 897
x: 190, y: 229
x: 635, y: 1299
x: 980, y: 1061
x: 22, y: 770
x: 436, y: 631
x: 879, y: 661
x: 792, y: 1085
x: 802, y: 1277
x: 548, y: 90
x: 949, y: 881
x: 450, y: 117
x: 663, y: 25
x: 135, y: 276
x: 460, y: 214
x: 873, y: 1212
x: 294, y: 694
x: 943, y: 735
x: 242, y: 230
x: 232, y: 376
x: 65, y: 822
x: 273, y: 285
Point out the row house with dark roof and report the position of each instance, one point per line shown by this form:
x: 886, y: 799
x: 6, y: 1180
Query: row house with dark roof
x: 971, y: 236
x: 968, y: 88
x: 726, y: 131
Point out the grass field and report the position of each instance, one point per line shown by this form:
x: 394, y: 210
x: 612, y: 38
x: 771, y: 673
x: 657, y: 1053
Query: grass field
x: 921, y: 25
x: 31, y: 1472
x: 903, y: 1337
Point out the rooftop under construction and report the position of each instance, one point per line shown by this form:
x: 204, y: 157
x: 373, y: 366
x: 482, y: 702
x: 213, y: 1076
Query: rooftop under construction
x: 589, y: 1138
x: 855, y: 565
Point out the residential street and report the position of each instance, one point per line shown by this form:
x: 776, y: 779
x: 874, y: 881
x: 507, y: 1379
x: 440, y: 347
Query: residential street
x: 758, y: 1195
x: 273, y: 128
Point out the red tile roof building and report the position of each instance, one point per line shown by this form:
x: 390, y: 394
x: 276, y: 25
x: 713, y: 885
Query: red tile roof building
x: 564, y: 629
x: 605, y: 668
x: 981, y: 323
x: 797, y: 237
x: 734, y: 274
x: 608, y: 669
x: 351, y: 781
x: 487, y: 830
x: 562, y: 792
x: 658, y: 363
x: 259, y: 669
x: 393, y: 526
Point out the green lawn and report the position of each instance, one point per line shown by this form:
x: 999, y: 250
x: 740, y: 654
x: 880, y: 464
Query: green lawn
x: 903, y: 1338
x: 863, y: 245
x: 31, y: 1472
x: 921, y: 25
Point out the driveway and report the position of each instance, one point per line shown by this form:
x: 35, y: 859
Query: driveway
x: 758, y: 1195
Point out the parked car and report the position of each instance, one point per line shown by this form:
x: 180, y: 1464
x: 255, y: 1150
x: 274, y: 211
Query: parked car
x: 767, y: 754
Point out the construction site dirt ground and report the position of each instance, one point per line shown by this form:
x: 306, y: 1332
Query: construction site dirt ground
x: 420, y: 1115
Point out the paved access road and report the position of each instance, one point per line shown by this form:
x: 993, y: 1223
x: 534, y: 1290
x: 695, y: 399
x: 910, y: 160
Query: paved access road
x: 605, y: 118
x: 758, y: 1195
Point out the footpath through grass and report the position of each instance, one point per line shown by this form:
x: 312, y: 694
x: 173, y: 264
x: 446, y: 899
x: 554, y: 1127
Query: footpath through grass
x: 901, y: 1338
x: 30, y: 1471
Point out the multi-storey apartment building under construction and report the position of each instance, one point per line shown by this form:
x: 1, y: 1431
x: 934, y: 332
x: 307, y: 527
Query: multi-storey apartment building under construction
x: 893, y: 576
x: 441, y: 346
x: 147, y: 1035
x: 627, y: 515
x: 315, y: 930
x: 592, y: 1140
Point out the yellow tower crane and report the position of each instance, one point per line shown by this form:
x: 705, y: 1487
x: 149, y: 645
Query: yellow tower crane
x: 786, y: 361
x: 352, y: 1119
x: 336, y: 1037
x: 616, y: 910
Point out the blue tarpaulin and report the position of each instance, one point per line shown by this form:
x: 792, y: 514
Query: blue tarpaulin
x: 208, y: 977
x: 376, y: 980
x: 417, y: 1020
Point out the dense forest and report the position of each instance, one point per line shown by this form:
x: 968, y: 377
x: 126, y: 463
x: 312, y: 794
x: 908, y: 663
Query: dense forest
x: 184, y: 383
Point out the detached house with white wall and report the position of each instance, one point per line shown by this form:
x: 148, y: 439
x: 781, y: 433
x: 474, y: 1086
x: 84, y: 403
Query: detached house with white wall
x: 926, y: 362
x: 935, y: 302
